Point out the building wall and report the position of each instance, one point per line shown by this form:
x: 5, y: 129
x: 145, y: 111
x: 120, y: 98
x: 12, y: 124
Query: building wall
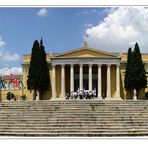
x: 25, y: 74
x: 17, y: 93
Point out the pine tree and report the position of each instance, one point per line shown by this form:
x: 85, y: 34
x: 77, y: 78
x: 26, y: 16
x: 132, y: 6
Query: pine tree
x: 44, y: 80
x: 34, y: 71
x: 140, y: 80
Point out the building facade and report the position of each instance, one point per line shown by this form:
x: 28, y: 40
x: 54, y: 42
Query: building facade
x: 85, y: 68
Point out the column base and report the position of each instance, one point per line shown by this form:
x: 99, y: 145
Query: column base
x: 37, y: 99
x: 100, y: 98
x: 108, y: 98
x: 135, y: 98
x: 118, y: 98
x: 57, y: 99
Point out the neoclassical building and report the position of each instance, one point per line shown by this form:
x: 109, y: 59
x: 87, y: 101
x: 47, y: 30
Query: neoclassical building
x: 85, y: 68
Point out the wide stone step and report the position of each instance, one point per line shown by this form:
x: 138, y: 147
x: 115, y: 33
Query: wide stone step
x: 62, y: 123
x: 68, y: 123
x: 75, y: 110
x: 83, y: 116
x: 95, y: 113
x: 97, y: 120
x: 68, y: 130
x: 91, y: 125
x: 122, y: 117
x: 72, y: 103
x: 77, y: 127
x: 73, y: 134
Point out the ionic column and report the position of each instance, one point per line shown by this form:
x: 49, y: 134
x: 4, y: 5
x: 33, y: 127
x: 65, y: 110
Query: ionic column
x: 81, y: 77
x: 71, y: 78
x: 53, y: 82
x: 63, y: 81
x: 118, y: 81
x: 108, y: 82
x: 90, y: 77
x: 99, y: 82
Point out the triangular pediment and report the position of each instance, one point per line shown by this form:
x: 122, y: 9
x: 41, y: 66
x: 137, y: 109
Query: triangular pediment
x: 86, y: 52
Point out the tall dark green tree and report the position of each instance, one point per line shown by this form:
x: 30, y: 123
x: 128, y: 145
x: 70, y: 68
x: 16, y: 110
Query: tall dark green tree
x: 38, y: 76
x: 128, y: 81
x: 44, y: 80
x: 140, y: 80
x: 135, y: 76
x: 33, y: 74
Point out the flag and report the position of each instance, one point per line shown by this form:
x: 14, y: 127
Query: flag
x: 2, y: 83
x: 14, y: 80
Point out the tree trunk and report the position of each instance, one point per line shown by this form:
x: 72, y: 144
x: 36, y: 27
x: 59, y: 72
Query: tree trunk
x: 137, y: 90
x: 40, y: 95
x: 34, y: 95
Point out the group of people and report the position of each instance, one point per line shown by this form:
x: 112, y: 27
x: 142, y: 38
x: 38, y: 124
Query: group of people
x: 82, y: 94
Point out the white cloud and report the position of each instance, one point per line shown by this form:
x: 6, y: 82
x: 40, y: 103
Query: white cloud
x: 9, y: 57
x: 5, y: 55
x: 120, y: 29
x: 42, y: 12
x: 14, y: 71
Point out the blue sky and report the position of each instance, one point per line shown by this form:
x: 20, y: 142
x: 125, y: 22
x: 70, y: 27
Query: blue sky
x: 61, y: 28
x: 110, y: 29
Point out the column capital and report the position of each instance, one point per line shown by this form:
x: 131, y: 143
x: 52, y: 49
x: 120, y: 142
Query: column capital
x: 99, y: 65
x: 81, y: 65
x: 71, y: 65
x: 118, y: 65
x: 108, y: 65
x: 90, y: 65
x: 53, y: 65
x: 62, y: 65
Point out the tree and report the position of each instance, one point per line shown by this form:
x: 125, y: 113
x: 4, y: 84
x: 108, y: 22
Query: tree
x: 129, y: 71
x: 44, y: 80
x: 38, y: 76
x: 34, y: 70
x: 135, y: 76
x: 140, y: 80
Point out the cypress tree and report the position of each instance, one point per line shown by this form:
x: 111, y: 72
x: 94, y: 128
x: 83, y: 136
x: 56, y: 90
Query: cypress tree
x: 135, y: 76
x: 38, y: 76
x: 140, y: 80
x: 33, y: 74
x: 44, y: 80
x: 128, y: 81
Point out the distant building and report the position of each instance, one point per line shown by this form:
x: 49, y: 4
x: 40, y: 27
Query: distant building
x: 85, y: 68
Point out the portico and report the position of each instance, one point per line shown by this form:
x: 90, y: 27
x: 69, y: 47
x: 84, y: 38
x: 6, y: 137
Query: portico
x: 98, y: 70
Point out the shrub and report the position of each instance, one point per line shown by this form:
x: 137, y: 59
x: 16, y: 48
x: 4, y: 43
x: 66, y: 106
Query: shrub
x: 23, y: 97
x: 10, y: 96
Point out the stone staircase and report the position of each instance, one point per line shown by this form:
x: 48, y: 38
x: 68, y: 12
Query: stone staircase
x: 73, y: 118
